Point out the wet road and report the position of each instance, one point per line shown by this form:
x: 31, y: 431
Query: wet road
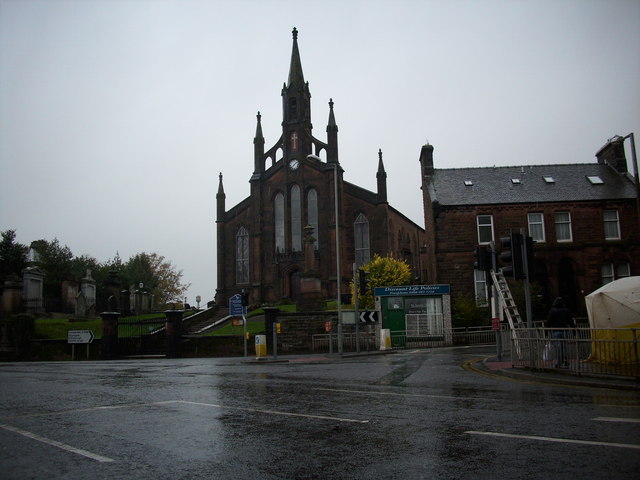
x: 410, y: 415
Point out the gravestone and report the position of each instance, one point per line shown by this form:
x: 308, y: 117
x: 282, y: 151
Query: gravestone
x: 32, y: 289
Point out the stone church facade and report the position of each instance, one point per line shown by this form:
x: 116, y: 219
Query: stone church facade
x: 260, y: 241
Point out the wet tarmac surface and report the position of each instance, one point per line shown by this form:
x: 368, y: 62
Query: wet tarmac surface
x: 410, y: 415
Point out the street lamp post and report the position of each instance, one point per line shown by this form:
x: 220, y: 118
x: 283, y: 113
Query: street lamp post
x: 338, y: 282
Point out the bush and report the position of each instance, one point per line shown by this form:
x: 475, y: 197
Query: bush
x: 466, y: 313
x: 19, y: 329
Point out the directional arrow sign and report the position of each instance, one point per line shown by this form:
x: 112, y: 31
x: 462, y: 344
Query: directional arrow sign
x: 368, y: 316
x: 79, y: 336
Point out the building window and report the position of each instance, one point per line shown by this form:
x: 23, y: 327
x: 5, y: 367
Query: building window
x: 611, y: 225
x: 242, y: 256
x: 481, y: 288
x: 312, y: 214
x: 293, y: 108
x: 563, y: 227
x: 294, y: 142
x: 279, y: 217
x: 623, y: 270
x: 485, y: 229
x: 296, y: 219
x: 611, y: 273
x: 536, y: 226
x: 361, y: 230
x: 607, y: 273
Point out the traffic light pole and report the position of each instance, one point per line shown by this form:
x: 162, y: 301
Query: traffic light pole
x: 527, y: 289
x: 244, y: 322
x: 356, y: 306
x: 495, y: 301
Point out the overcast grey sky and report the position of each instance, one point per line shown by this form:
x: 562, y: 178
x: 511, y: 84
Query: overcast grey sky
x: 116, y: 116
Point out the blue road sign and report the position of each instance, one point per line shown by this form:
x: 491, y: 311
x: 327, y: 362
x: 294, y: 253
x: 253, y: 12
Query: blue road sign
x: 235, y: 305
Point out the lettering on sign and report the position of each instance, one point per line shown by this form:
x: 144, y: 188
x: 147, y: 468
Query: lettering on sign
x: 80, y: 336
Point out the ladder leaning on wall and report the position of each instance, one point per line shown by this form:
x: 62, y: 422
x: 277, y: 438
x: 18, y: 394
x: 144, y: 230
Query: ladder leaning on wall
x: 509, y: 306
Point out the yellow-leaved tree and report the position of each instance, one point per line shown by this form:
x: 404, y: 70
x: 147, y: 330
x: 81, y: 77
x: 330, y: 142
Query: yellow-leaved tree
x: 382, y: 272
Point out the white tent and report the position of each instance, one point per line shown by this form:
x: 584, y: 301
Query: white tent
x: 615, y: 305
x: 614, y: 314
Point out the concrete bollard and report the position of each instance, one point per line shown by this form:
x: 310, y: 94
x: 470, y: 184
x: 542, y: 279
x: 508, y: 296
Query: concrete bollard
x: 261, y: 346
x: 385, y: 339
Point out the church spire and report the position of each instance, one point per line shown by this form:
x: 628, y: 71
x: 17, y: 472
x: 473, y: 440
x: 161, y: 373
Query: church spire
x: 296, y: 108
x: 258, y: 148
x: 220, y: 201
x: 296, y: 77
x: 381, y: 177
x: 332, y: 136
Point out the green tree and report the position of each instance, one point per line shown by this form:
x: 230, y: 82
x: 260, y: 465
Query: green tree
x: 382, y: 272
x: 56, y: 262
x: 158, y: 275
x: 13, y: 256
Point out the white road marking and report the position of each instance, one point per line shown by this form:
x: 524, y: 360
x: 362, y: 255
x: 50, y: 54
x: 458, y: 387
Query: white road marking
x: 54, y: 443
x: 616, y: 419
x: 87, y: 409
x: 557, y: 440
x: 271, y: 412
x: 419, y: 395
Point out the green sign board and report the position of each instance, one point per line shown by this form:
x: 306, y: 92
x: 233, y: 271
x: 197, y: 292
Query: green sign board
x: 412, y: 290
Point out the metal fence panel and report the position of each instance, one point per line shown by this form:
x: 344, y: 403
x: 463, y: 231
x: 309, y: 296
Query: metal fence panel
x: 581, y: 350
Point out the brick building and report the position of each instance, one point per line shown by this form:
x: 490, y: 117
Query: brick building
x: 260, y: 240
x: 583, y: 217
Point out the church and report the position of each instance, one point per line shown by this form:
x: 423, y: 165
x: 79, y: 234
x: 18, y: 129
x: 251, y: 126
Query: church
x: 299, y: 201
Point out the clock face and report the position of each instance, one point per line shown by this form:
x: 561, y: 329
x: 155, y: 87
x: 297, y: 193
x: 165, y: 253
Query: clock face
x: 294, y: 164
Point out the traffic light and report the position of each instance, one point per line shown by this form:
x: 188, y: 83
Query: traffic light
x: 363, y: 281
x: 484, y: 262
x: 278, y: 329
x: 512, y: 257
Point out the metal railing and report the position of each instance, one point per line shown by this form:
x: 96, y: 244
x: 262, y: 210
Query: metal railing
x: 320, y: 342
x: 404, y: 339
x: 582, y: 350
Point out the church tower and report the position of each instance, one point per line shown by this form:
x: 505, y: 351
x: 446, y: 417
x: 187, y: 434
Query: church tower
x: 297, y: 234
x: 296, y: 111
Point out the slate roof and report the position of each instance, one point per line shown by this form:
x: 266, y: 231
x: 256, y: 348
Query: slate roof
x: 494, y: 185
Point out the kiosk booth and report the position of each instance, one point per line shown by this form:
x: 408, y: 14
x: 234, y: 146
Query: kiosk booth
x: 415, y: 314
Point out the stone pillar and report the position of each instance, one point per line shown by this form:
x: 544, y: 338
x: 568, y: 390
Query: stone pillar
x: 310, y: 297
x: 270, y: 317
x: 112, y: 287
x: 88, y: 289
x: 11, y: 297
x: 173, y: 332
x: 109, y: 342
x: 125, y: 302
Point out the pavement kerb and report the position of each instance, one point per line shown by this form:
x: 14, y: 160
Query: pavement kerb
x: 557, y: 378
x: 315, y: 358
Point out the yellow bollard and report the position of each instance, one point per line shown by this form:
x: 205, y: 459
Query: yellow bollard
x: 261, y: 346
x: 385, y: 339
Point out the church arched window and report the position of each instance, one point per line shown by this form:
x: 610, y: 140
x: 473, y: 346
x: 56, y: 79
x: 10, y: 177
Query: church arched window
x: 293, y: 108
x: 312, y: 214
x: 242, y: 256
x: 278, y: 208
x: 296, y: 219
x: 361, y: 232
